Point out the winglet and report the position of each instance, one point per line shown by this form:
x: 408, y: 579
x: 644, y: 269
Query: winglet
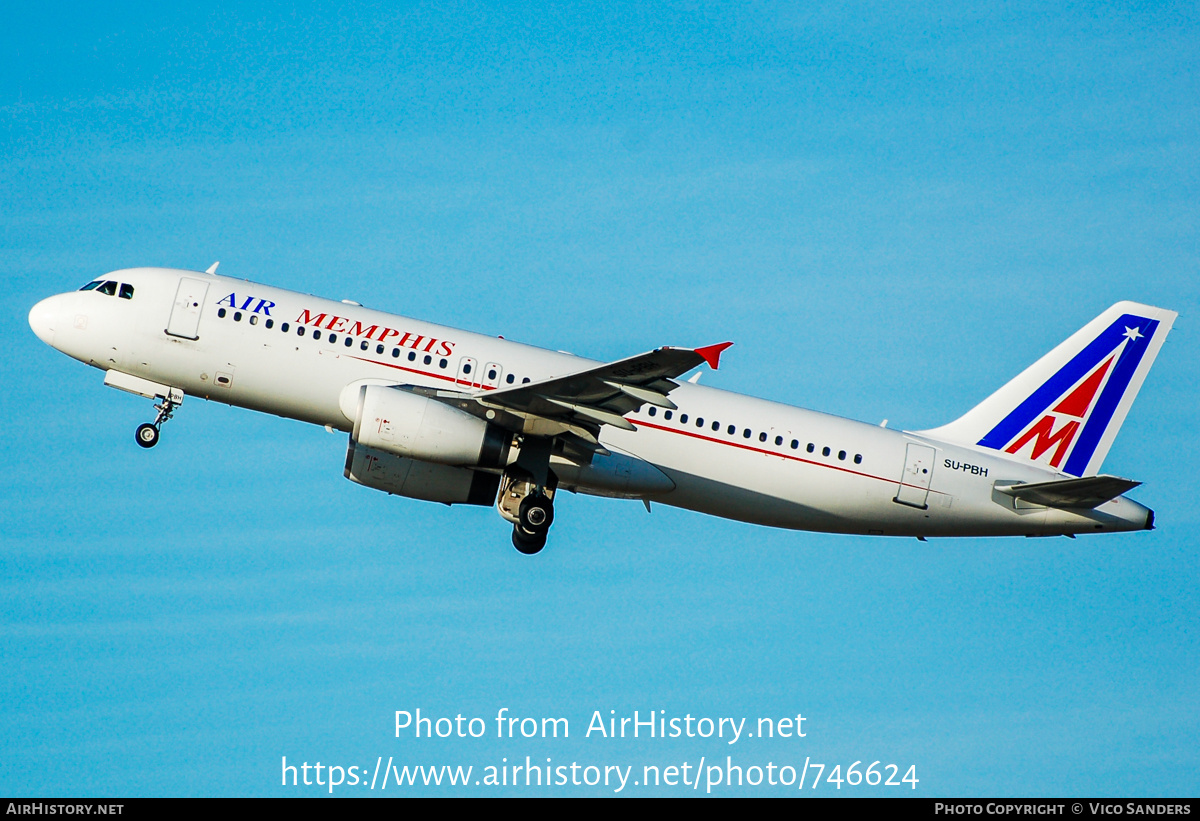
x: 712, y: 353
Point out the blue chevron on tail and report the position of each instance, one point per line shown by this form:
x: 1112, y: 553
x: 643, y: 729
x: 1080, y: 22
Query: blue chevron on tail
x: 1064, y: 411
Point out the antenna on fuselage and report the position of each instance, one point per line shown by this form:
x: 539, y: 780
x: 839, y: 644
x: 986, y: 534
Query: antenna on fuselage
x: 212, y: 269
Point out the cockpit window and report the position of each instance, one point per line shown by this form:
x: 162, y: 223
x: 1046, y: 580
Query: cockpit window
x: 126, y: 291
x: 108, y: 288
x: 93, y: 285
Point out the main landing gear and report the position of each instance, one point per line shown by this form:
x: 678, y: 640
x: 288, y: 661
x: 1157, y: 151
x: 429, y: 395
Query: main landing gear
x: 529, y: 507
x: 536, y: 514
x: 148, y: 433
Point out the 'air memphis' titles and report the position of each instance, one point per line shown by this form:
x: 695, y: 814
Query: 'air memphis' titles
x: 344, y: 325
x: 659, y: 726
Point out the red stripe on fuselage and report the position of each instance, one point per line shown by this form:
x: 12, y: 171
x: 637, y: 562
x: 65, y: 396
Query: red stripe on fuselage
x: 774, y: 453
x: 453, y: 379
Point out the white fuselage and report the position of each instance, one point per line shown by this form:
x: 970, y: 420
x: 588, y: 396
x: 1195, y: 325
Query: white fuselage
x: 780, y: 466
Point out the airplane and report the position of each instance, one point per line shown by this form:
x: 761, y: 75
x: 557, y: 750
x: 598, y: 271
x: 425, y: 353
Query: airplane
x: 445, y: 415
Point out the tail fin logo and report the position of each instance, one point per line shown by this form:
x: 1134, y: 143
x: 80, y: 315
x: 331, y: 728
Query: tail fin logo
x: 1062, y: 422
x: 1072, y: 410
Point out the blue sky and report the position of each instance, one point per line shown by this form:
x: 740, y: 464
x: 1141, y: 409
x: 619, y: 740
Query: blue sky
x: 889, y: 210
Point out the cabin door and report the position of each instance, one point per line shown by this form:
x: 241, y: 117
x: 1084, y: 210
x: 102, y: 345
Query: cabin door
x: 918, y: 472
x: 185, y: 313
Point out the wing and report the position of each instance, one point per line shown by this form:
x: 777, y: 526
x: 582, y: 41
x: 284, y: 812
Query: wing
x: 602, y: 395
x: 581, y: 403
x: 577, y: 405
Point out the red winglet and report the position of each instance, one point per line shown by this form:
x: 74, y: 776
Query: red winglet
x: 712, y: 353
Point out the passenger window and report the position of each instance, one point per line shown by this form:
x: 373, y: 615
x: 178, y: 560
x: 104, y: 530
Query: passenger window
x: 333, y: 339
x: 253, y: 319
x: 270, y: 324
x: 395, y: 353
x: 762, y: 437
x: 716, y: 426
x: 299, y: 330
x: 364, y: 345
x: 316, y: 333
x: 811, y: 447
x: 284, y: 328
x: 795, y: 444
x: 746, y: 433
x: 525, y: 381
x: 442, y: 364
x: 841, y: 455
x: 667, y: 416
x: 492, y: 374
x: 509, y: 379
x: 467, y: 368
x: 108, y: 289
x: 126, y: 291
x: 699, y: 422
x: 732, y: 430
x: 412, y: 356
x: 683, y: 418
x: 825, y: 451
x: 237, y: 317
x: 858, y: 458
x: 653, y: 410
x: 379, y: 349
x: 221, y: 313
x: 778, y: 441
x: 428, y: 359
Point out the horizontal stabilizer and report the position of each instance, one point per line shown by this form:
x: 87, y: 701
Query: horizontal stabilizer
x: 1088, y: 492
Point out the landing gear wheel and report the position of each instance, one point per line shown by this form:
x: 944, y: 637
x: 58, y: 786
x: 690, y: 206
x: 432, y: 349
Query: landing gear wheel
x: 528, y: 544
x: 147, y: 435
x: 536, y: 514
x: 528, y: 502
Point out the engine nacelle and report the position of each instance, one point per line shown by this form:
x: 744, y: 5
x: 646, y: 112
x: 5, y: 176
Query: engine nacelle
x: 419, y: 480
x: 406, y: 424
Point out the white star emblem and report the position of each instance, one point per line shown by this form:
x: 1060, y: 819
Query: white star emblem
x: 1132, y: 334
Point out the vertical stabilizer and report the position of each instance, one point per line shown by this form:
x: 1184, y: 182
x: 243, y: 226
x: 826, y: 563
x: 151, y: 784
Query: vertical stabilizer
x: 1064, y: 411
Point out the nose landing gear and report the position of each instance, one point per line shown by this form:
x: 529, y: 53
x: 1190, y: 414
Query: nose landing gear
x: 147, y: 434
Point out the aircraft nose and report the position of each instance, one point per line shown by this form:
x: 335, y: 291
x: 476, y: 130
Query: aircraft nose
x: 42, y: 318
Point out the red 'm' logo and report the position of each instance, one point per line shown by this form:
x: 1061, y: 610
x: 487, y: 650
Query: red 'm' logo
x: 1075, y: 404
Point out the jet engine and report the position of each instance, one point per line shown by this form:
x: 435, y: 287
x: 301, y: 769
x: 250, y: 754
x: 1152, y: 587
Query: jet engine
x: 402, y: 423
x: 411, y: 445
x: 419, y: 480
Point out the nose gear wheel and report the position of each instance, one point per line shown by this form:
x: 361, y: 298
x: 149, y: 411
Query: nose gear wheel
x: 147, y: 434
